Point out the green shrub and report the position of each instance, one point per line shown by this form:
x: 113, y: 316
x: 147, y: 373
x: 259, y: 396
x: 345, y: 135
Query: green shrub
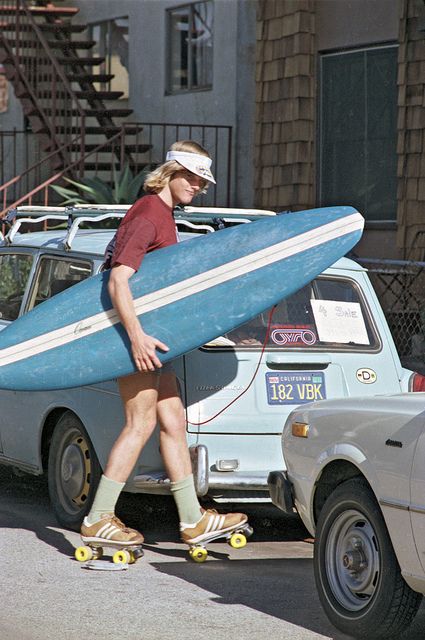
x: 126, y: 189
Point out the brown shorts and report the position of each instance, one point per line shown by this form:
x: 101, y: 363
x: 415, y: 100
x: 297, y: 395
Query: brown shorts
x: 166, y: 368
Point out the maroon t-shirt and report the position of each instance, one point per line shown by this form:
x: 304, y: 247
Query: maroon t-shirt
x: 147, y: 225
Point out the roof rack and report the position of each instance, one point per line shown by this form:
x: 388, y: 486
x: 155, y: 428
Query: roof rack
x: 75, y: 209
x: 77, y: 214
x: 8, y: 238
x: 191, y: 225
x: 69, y: 215
x: 227, y: 211
x: 76, y: 223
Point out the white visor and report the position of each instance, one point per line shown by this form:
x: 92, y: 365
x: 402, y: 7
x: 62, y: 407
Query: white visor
x: 195, y: 162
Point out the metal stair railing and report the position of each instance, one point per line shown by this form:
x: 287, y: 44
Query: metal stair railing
x: 115, y: 142
x: 41, y: 80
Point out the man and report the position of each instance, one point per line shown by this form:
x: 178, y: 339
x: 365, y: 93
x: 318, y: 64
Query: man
x: 151, y: 395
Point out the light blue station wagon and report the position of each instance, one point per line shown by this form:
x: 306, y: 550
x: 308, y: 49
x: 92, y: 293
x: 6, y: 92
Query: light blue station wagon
x: 329, y: 340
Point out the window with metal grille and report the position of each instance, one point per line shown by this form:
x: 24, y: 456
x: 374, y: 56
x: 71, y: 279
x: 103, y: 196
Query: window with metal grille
x: 358, y: 131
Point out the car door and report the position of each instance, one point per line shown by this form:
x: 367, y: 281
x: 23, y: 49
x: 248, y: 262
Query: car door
x: 25, y: 410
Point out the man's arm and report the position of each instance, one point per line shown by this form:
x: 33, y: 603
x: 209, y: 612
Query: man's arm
x: 142, y: 345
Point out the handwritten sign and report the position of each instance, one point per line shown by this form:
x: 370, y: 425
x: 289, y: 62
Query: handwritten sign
x: 338, y: 321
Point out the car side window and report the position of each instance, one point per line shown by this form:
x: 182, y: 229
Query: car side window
x: 55, y: 274
x: 14, y: 271
x: 327, y: 313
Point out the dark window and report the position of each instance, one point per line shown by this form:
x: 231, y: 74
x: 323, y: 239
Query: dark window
x: 190, y: 37
x: 358, y: 131
x: 111, y: 38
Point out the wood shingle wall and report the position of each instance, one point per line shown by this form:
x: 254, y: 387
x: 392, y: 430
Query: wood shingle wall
x: 411, y: 130
x: 285, y: 105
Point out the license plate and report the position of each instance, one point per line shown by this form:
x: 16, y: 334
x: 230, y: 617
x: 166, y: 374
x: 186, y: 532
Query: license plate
x: 287, y: 387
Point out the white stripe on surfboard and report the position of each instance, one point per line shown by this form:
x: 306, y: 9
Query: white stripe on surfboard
x: 185, y: 288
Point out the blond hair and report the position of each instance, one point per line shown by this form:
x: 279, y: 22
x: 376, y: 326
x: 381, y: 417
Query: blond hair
x: 157, y: 179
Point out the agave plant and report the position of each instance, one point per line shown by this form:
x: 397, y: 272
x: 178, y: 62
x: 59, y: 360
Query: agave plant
x: 126, y: 189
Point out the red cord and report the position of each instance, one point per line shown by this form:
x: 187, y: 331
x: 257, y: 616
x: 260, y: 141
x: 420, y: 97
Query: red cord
x: 266, y: 339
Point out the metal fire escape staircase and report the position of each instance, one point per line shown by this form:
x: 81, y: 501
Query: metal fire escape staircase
x: 78, y: 126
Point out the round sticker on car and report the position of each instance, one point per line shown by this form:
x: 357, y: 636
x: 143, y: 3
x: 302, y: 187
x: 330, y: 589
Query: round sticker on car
x: 366, y: 376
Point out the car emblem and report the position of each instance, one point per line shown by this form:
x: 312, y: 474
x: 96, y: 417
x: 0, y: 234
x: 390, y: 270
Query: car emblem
x: 366, y: 376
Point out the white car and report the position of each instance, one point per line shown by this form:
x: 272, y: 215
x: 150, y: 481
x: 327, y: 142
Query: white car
x: 356, y: 476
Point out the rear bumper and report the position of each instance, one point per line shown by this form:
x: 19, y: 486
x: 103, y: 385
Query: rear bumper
x: 214, y: 483
x: 280, y: 490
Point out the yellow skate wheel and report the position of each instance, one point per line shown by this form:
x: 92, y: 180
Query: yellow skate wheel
x: 121, y: 557
x: 83, y: 554
x: 237, y: 541
x: 198, y: 554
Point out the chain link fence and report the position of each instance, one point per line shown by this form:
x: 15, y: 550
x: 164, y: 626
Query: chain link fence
x: 400, y: 287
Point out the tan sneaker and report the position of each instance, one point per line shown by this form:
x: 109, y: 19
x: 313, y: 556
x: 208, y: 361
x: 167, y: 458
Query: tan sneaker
x: 212, y: 525
x: 110, y: 529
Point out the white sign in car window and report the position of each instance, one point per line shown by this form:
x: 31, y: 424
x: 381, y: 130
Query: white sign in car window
x: 338, y: 321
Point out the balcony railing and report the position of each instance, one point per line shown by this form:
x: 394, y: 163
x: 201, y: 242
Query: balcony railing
x: 26, y: 173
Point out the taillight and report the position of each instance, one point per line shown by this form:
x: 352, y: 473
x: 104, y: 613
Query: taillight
x: 417, y: 382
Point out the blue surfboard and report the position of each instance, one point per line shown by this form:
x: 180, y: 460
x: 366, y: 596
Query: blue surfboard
x: 185, y: 295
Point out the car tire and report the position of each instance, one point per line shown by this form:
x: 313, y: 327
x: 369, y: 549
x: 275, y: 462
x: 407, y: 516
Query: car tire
x: 73, y: 471
x: 357, y: 574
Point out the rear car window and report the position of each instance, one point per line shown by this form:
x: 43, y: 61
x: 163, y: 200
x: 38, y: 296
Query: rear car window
x: 14, y: 272
x: 328, y: 313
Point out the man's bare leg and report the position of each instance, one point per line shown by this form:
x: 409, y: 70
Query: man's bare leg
x: 174, y: 449
x: 139, y: 393
x: 196, y: 525
x: 173, y: 441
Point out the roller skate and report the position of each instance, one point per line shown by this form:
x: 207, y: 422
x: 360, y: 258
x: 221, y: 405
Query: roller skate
x: 233, y: 527
x: 109, y: 532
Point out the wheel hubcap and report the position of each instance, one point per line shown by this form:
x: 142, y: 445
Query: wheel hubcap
x: 355, y: 559
x: 75, y: 470
x: 352, y: 560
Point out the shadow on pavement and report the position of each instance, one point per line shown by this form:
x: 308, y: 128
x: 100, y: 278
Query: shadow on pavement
x: 31, y: 509
x: 155, y: 516
x: 282, y: 588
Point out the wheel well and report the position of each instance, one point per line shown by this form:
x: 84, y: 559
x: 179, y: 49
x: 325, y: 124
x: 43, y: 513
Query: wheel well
x: 48, y: 427
x: 334, y: 474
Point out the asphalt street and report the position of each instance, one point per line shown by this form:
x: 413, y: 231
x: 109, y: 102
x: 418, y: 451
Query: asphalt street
x: 265, y: 590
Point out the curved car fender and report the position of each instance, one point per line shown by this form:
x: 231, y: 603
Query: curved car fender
x: 341, y: 451
x: 373, y: 471
x: 348, y: 452
x: 396, y: 517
